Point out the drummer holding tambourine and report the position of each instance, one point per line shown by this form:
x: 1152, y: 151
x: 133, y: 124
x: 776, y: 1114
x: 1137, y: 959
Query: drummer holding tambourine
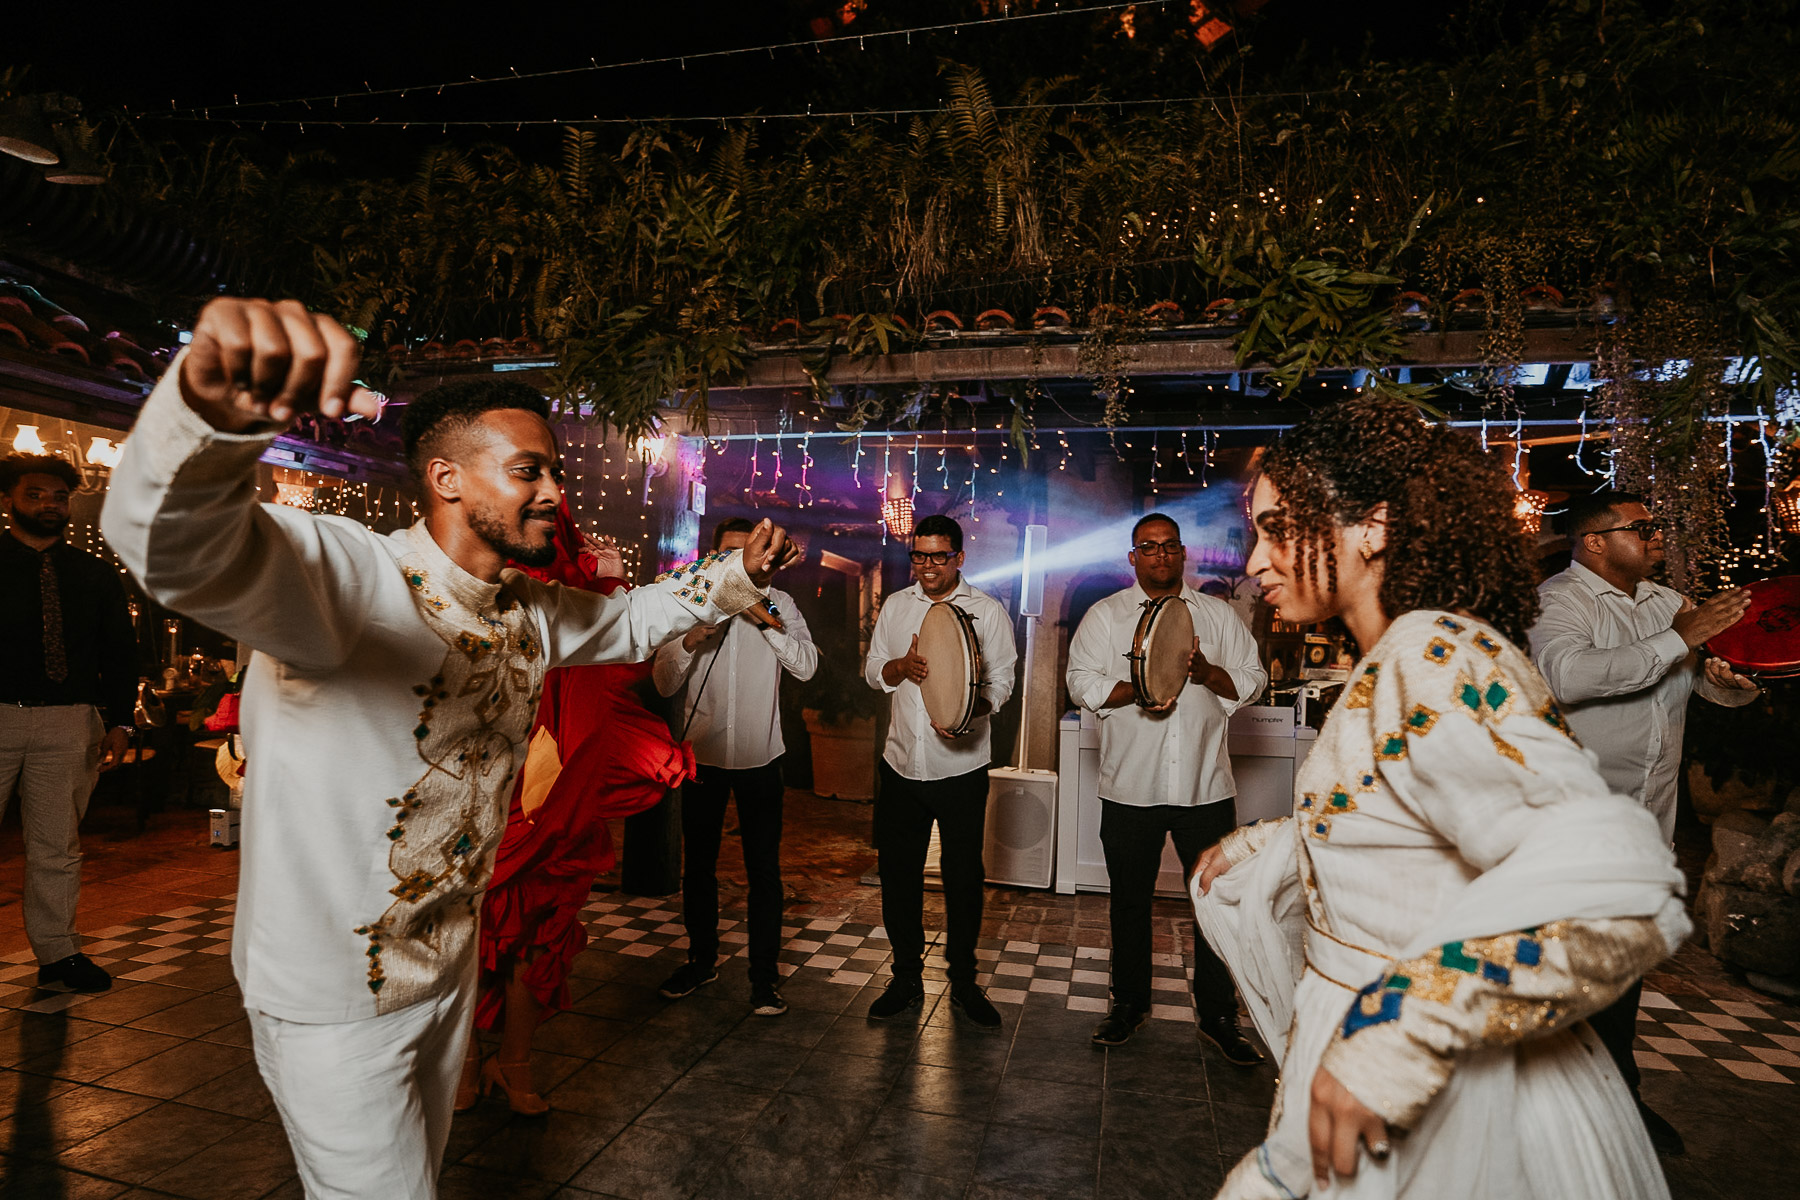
x: 945, y: 652
x: 1163, y: 667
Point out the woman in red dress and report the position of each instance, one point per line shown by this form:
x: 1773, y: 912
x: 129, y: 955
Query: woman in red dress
x: 597, y: 752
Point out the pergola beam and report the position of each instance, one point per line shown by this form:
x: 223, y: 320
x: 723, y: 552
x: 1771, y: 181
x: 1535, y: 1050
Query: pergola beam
x: 1173, y: 356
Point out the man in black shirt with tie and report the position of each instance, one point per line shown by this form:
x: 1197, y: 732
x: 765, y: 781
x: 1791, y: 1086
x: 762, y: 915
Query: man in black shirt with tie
x: 67, y: 658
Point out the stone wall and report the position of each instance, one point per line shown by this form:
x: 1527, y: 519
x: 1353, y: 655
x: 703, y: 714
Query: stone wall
x: 1748, y: 909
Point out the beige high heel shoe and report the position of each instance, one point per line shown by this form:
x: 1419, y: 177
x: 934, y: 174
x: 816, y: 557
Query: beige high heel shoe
x: 519, y: 1096
x: 468, y: 1088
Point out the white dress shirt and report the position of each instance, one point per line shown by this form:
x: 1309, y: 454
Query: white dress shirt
x: 1179, y: 757
x: 1623, y: 677
x: 913, y: 748
x: 734, y: 720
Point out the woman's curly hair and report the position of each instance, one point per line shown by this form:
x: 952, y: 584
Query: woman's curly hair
x: 1453, y: 539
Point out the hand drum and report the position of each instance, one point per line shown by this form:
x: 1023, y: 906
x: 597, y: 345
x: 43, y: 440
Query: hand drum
x: 950, y: 649
x: 1766, y: 642
x: 1160, y: 650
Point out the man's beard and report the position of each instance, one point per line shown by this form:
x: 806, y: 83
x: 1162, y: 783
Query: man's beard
x: 49, y: 525
x: 487, y: 526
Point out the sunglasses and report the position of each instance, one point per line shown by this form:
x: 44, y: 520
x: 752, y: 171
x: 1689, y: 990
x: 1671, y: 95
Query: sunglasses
x: 1644, y: 529
x: 936, y: 559
x: 1158, y: 549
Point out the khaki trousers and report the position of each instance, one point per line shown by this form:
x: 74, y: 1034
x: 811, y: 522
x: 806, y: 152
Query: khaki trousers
x: 53, y: 754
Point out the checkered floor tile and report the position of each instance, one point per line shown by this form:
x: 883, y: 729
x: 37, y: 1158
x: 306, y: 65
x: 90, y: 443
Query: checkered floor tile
x: 843, y: 952
x: 147, y: 948
x: 1758, y: 1041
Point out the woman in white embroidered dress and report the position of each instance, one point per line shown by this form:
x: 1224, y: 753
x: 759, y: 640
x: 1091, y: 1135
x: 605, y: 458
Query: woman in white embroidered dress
x: 1457, y: 888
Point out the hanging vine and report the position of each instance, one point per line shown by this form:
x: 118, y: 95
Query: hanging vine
x: 1576, y: 155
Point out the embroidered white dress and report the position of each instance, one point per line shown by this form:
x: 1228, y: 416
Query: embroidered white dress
x: 1456, y: 890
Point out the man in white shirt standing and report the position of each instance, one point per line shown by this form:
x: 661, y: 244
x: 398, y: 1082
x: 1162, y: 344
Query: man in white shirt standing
x: 386, y: 710
x: 928, y: 775
x: 729, y: 680
x: 1621, y: 656
x: 1164, y: 772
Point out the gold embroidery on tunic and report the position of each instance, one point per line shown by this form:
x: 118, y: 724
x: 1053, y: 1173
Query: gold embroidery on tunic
x: 473, y: 718
x: 1511, y: 1019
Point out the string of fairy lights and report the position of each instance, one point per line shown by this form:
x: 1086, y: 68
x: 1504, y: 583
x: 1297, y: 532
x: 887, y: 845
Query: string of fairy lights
x: 610, y: 480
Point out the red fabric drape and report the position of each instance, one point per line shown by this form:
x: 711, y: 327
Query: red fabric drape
x: 618, y: 758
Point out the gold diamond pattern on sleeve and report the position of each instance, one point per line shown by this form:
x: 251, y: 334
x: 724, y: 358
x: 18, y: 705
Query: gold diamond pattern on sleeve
x: 1506, y: 749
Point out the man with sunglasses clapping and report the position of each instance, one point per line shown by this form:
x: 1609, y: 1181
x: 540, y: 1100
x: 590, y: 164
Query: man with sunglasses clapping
x: 1621, y: 654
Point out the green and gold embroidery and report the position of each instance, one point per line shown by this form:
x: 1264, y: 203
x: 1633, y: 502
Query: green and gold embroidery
x: 1362, y: 692
x: 1435, y: 976
x: 1319, y: 814
x: 473, y: 718
x: 1552, y: 716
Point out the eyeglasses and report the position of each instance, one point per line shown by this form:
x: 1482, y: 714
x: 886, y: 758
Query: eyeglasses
x: 1644, y: 529
x: 937, y: 559
x: 1159, y: 549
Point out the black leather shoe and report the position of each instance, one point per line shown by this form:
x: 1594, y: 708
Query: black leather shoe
x: 1123, y: 1021
x: 901, y: 995
x: 1223, y: 1033
x: 688, y: 978
x: 78, y: 972
x: 973, y: 1004
x: 1663, y: 1135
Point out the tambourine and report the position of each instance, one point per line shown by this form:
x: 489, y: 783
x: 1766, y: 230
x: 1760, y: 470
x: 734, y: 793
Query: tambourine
x: 1160, y: 650
x: 952, y: 686
x: 1766, y: 643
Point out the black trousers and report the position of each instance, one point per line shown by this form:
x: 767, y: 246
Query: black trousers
x: 1132, y: 837
x: 904, y: 812
x: 1617, y: 1026
x: 703, y: 799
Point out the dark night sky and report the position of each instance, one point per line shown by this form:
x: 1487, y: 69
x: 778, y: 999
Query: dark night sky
x: 143, y: 56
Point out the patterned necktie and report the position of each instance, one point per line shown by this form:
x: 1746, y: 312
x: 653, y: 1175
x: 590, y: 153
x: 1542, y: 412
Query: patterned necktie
x: 56, y: 659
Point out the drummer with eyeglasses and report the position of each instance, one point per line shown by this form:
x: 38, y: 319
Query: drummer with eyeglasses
x: 929, y: 773
x: 1622, y: 655
x: 1165, y: 772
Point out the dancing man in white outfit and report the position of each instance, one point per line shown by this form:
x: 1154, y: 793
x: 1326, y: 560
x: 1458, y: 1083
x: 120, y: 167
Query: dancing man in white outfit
x: 396, y: 681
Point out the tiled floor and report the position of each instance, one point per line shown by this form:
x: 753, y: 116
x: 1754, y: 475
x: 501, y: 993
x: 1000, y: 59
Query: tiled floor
x: 149, y: 1090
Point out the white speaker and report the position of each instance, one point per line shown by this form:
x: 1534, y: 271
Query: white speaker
x: 1020, y: 849
x: 1031, y: 571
